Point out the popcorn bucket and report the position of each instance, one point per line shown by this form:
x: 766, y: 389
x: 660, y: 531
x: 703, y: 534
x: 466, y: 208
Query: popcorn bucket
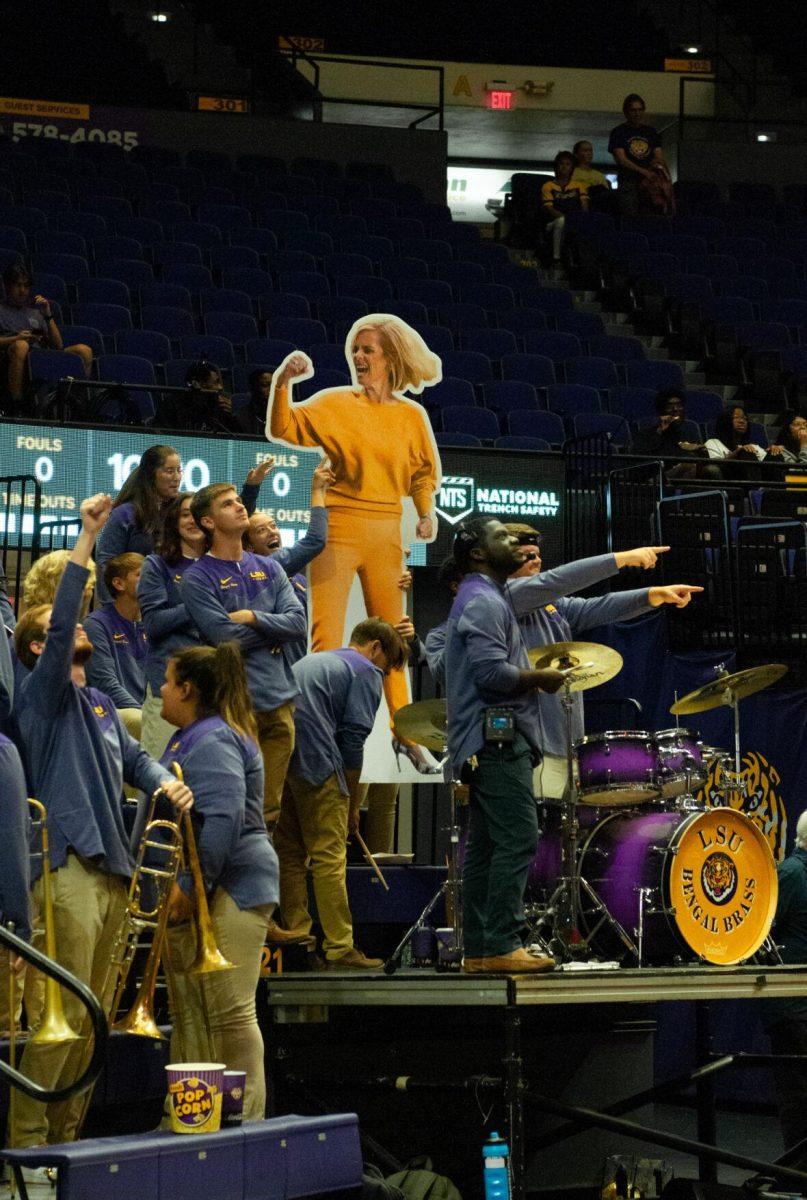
x: 232, y: 1106
x: 195, y: 1096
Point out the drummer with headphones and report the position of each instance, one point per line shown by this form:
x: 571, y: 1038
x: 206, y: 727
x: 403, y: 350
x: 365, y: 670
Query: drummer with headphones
x: 546, y: 619
x: 493, y: 740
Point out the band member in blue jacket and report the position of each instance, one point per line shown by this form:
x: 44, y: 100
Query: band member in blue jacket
x: 545, y: 620
x: 493, y: 739
x: 340, y: 691
x: 205, y: 694
x: 120, y: 642
x: 263, y: 537
x: 166, y: 620
x: 234, y: 595
x: 78, y: 756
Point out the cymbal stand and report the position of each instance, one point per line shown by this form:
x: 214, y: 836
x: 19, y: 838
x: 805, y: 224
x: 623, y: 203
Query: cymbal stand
x: 450, y: 889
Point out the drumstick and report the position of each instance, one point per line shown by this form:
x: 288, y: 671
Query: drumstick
x: 369, y: 858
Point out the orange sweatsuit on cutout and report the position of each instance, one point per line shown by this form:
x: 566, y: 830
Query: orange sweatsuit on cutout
x: 380, y: 452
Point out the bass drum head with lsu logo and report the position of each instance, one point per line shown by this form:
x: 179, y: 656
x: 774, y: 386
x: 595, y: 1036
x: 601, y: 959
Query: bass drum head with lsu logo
x: 722, y: 885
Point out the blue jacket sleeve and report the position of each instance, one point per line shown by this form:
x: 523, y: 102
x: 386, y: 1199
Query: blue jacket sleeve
x: 482, y: 629
x: 211, y: 618
x: 249, y: 496
x: 528, y: 594
x: 159, y: 616
x: 603, y: 610
x: 6, y: 675
x: 15, y: 876
x: 287, y: 623
x: 112, y: 540
x: 435, y: 646
x: 358, y: 717
x: 140, y: 770
x: 47, y: 684
x: 102, y: 670
x: 7, y: 614
x: 295, y: 558
x: 214, y: 771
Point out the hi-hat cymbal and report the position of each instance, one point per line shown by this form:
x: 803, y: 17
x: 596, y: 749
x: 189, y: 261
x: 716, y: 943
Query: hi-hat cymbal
x: 423, y: 722
x: 728, y: 688
x: 597, y: 663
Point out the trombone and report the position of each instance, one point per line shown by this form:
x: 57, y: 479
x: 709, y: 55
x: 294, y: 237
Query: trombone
x: 140, y: 1020
x: 53, y: 1027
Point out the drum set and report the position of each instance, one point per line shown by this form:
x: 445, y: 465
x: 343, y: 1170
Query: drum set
x: 632, y: 866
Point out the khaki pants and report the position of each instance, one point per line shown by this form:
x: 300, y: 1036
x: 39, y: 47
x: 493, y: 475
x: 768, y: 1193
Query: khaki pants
x: 213, y: 1016
x: 380, y: 800
x: 132, y: 719
x: 88, y: 908
x: 313, y: 826
x: 155, y: 733
x: 549, y: 778
x: 276, y: 740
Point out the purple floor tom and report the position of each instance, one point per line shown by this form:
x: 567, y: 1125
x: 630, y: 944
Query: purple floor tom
x: 681, y: 762
x: 618, y: 767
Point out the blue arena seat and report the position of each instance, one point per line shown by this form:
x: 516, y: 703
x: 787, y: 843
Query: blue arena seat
x: 173, y: 295
x: 532, y: 424
x: 450, y: 392
x: 583, y: 325
x: 339, y: 310
x: 530, y: 368
x: 461, y: 315
x: 328, y: 355
x: 131, y: 271
x: 557, y: 346
x: 175, y: 323
x: 439, y: 339
x: 126, y: 368
x: 237, y: 327
x: 433, y: 293
x: 566, y: 399
x: 634, y: 403
x: 467, y: 364
x: 310, y: 241
x: 523, y: 320
x: 262, y: 241
x: 104, y: 291
x: 53, y: 241
x: 431, y: 250
x: 53, y: 365
x: 457, y: 439
x: 495, y: 298
x: 108, y: 318
x: 197, y: 233
x: 376, y: 292
x: 511, y: 441
x: 618, y: 349
x: 460, y: 274
x: 300, y: 330
x: 508, y: 395
x: 378, y: 248
x: 342, y: 262
x: 217, y: 350
x: 479, y: 422
x: 114, y: 246
x: 253, y: 280
x: 225, y: 300
x: 323, y: 378
x: 270, y: 350
x: 494, y: 343
x: 74, y: 335
x: 703, y: 407
x: 167, y: 254
x: 654, y: 373
x: 88, y: 225
x: 71, y: 267
x: 589, y: 424
x: 311, y: 284
x: 143, y: 343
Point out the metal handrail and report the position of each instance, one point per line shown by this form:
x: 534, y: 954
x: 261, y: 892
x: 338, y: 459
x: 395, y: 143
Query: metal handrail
x: 100, y: 1030
x: 429, y: 110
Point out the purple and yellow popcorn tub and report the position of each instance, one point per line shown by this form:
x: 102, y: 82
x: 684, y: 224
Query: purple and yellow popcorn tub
x: 194, y: 1096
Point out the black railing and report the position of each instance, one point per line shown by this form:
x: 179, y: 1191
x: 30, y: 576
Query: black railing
x: 297, y: 54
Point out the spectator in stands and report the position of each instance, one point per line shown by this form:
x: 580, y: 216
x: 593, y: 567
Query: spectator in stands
x: 636, y: 150
x: 597, y: 186
x: 730, y: 442
x: 120, y: 642
x: 560, y: 196
x: 665, y: 441
x: 213, y: 409
x: 23, y: 325
x: 791, y: 441
x: 251, y: 417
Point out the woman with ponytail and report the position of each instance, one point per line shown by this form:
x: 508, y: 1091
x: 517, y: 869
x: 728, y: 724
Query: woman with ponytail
x: 205, y: 695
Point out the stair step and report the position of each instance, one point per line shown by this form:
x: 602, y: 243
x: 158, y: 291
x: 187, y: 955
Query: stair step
x: 694, y: 380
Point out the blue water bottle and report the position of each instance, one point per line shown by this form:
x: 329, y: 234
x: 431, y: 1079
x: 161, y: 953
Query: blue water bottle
x: 495, y: 1154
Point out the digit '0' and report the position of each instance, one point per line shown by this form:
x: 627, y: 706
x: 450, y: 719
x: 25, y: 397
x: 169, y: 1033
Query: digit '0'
x: 196, y: 474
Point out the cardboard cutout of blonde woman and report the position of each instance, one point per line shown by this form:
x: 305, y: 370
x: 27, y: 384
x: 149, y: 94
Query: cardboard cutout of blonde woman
x: 380, y: 445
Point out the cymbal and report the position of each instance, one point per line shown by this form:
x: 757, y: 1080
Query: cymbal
x: 739, y: 685
x: 597, y: 663
x: 423, y: 722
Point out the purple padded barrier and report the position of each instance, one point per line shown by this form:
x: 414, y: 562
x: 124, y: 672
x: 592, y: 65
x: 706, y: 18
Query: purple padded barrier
x: 290, y: 1157
x: 126, y: 1167
x: 324, y: 1154
x: 210, y: 1164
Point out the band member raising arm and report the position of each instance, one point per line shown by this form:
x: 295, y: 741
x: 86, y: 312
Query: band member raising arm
x: 205, y: 694
x: 78, y: 755
x: 234, y: 595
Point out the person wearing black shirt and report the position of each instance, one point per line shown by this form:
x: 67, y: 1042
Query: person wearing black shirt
x: 636, y: 149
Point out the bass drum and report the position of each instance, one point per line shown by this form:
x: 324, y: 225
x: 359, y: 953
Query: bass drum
x: 708, y: 880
